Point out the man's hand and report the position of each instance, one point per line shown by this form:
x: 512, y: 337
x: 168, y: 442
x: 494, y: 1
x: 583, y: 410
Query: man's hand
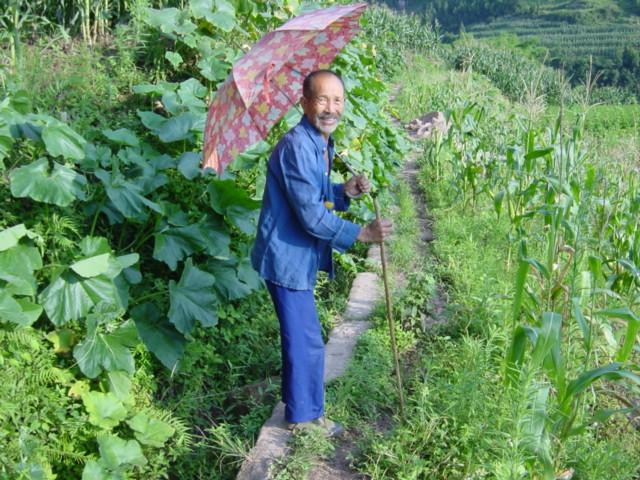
x: 356, y: 186
x: 376, y: 231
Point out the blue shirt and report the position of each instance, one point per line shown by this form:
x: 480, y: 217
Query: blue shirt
x: 297, y: 228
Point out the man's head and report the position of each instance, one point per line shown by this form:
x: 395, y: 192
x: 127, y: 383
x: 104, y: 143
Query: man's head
x: 323, y: 100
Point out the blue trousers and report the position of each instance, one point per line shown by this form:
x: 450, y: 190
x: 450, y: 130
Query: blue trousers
x: 302, y: 353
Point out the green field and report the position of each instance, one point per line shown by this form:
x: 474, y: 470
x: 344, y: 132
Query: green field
x: 563, y: 39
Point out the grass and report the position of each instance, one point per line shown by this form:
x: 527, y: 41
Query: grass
x: 601, y: 120
x: 308, y: 447
x: 90, y: 88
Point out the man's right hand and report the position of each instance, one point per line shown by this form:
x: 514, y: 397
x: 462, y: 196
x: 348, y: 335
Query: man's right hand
x: 376, y: 232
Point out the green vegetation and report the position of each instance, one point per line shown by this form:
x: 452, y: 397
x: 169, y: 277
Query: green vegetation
x: 565, y: 40
x: 608, y: 49
x: 601, y: 36
x: 137, y: 342
x: 453, y: 14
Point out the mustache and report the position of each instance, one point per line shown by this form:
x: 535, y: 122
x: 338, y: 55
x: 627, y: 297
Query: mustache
x: 328, y: 116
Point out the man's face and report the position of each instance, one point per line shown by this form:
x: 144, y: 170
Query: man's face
x: 326, y: 104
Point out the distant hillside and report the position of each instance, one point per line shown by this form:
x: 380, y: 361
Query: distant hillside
x: 565, y: 40
x: 574, y: 35
x: 451, y: 14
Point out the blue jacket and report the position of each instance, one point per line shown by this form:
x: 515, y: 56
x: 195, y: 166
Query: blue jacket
x: 297, y: 228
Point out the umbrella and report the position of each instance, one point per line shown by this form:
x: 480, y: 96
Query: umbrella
x: 267, y: 81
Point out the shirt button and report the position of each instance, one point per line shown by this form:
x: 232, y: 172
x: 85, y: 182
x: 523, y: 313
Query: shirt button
x: 325, y: 174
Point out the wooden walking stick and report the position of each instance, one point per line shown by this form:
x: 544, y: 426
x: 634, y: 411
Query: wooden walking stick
x: 387, y: 295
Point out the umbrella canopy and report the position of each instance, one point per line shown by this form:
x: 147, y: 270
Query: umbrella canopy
x: 267, y: 81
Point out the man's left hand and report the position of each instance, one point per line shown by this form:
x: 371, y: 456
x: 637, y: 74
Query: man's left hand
x: 356, y: 186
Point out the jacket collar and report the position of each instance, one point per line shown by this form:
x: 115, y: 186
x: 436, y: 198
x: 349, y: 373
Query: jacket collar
x: 315, y: 134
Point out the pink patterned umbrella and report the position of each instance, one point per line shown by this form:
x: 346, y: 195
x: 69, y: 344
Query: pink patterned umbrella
x: 267, y: 81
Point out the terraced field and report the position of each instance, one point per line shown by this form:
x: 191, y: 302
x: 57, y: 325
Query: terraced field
x: 564, y: 39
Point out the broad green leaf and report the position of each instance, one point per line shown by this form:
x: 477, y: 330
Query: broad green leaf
x: 70, y: 297
x: 624, y: 313
x: 150, y: 431
x: 163, y: 162
x: 9, y: 236
x: 201, y: 8
x: 129, y: 260
x: 158, y: 335
x: 174, y: 58
x: 159, y: 88
x: 122, y: 136
x: 213, y: 69
x: 120, y: 385
x: 21, y: 101
x: 132, y: 275
x: 61, y: 140
x: 177, y: 128
x: 216, y: 237
x: 235, y: 204
x: 108, y: 351
x: 191, y: 93
x: 189, y: 165
x: 94, y: 470
x: 126, y: 196
x: 92, y: 246
x: 173, y: 244
x: 6, y: 141
x: 228, y: 284
x: 547, y: 349
x: 152, y: 120
x: 19, y: 311
x: 170, y: 20
x: 93, y: 266
x: 223, y: 20
x: 221, y: 14
x: 250, y: 157
x: 116, y: 451
x: 31, y: 131
x: 60, y: 187
x: 17, y: 265
x: 105, y: 410
x: 96, y: 156
x: 30, y: 311
x: 248, y: 275
x: 192, y: 299
x: 227, y: 7
x: 62, y: 340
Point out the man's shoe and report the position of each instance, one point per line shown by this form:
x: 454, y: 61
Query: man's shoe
x: 329, y: 427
